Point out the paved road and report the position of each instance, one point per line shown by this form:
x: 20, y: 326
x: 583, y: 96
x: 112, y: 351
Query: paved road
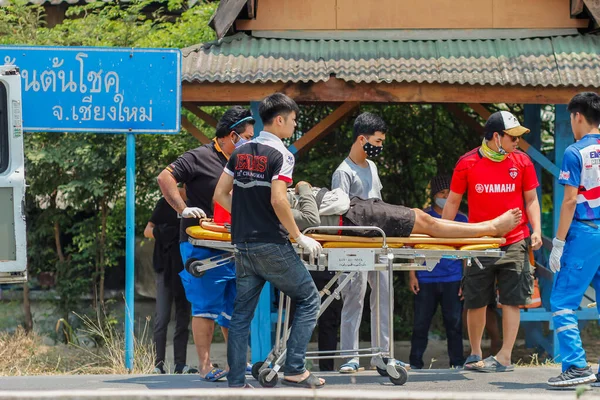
x: 525, y: 383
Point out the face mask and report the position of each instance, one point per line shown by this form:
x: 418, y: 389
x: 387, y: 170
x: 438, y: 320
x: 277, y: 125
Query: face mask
x: 372, y: 150
x: 500, y: 149
x: 240, y: 142
x: 440, y: 202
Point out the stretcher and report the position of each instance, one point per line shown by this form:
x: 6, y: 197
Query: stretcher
x: 347, y: 256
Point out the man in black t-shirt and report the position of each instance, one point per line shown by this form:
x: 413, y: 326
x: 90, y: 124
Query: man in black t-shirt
x: 163, y: 227
x: 213, y: 294
x: 262, y: 222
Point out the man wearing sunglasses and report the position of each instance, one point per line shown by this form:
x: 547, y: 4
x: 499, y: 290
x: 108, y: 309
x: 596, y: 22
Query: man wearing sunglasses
x: 497, y: 177
x: 212, y: 295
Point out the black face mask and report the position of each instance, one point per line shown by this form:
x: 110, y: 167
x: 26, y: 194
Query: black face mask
x: 372, y: 150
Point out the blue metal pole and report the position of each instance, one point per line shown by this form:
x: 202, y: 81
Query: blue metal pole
x: 260, y: 327
x: 258, y: 125
x: 562, y: 139
x: 129, y: 249
x: 533, y: 121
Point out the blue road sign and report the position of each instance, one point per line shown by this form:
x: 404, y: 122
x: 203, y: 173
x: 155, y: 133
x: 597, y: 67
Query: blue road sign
x: 98, y: 89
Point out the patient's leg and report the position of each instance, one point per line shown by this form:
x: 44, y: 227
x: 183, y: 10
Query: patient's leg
x: 500, y: 226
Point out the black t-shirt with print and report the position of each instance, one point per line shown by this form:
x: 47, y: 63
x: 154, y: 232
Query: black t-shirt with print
x: 253, y: 167
x: 200, y: 170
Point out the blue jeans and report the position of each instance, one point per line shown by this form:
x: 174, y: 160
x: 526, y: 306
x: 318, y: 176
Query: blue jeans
x: 255, y: 264
x: 426, y: 301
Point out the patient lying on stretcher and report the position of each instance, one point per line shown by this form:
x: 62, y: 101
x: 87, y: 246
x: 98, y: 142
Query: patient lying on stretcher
x: 313, y: 207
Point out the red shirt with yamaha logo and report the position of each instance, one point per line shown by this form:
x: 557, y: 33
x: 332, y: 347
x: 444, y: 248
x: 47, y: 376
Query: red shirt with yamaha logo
x: 495, y: 187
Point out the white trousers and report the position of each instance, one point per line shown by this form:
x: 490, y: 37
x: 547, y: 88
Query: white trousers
x: 353, y: 296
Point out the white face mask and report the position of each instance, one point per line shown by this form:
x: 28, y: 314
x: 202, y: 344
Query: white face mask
x: 499, y: 144
x: 440, y: 202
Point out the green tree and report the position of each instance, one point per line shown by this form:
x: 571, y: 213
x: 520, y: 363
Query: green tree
x: 75, y: 200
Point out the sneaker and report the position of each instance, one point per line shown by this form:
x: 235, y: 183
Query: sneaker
x: 572, y: 377
x: 186, y: 369
x: 158, y: 371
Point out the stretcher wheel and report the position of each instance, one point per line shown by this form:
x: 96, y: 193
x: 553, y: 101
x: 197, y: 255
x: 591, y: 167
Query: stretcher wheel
x: 256, y: 369
x: 402, y: 379
x: 383, y: 372
x: 190, y: 266
x: 262, y: 378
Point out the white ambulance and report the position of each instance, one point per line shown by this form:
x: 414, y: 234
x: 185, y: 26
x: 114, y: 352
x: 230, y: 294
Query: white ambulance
x: 13, y: 257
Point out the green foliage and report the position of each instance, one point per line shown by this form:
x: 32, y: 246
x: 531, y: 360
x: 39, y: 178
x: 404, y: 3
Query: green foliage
x: 423, y: 140
x: 76, y: 196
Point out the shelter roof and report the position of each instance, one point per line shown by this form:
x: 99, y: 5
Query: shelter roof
x: 550, y: 61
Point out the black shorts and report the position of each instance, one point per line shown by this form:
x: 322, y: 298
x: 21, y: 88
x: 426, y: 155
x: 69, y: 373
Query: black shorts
x: 512, y: 273
x: 395, y: 221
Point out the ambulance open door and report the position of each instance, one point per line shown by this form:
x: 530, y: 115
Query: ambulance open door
x: 13, y: 257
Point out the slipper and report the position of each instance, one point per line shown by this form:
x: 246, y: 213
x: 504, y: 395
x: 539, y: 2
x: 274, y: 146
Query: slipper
x: 490, y: 364
x: 350, y: 368
x: 311, y: 382
x: 214, y: 375
x: 471, y: 361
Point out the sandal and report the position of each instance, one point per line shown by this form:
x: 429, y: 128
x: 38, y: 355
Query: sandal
x: 311, y: 382
x: 471, y: 361
x: 214, y: 375
x: 351, y: 367
x: 491, y: 364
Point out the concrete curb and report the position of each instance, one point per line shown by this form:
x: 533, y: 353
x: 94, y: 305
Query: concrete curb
x: 275, y: 394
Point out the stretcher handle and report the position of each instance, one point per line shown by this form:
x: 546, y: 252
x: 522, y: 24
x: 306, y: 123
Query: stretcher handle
x: 349, y: 228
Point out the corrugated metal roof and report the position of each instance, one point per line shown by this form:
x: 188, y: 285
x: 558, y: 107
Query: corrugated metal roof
x: 553, y: 61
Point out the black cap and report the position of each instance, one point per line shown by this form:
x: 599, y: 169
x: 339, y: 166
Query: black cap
x: 439, y: 183
x: 503, y: 121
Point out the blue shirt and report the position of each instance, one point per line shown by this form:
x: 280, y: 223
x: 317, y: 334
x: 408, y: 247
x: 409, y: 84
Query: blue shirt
x: 581, y: 169
x: 446, y: 270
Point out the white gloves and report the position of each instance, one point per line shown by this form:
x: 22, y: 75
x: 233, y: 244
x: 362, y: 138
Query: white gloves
x: 556, y: 254
x: 193, y: 212
x: 311, y: 245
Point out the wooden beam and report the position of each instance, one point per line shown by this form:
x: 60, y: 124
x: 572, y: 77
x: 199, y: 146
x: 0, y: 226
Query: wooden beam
x: 195, y: 132
x: 481, y: 110
x: 466, y: 118
x: 593, y: 7
x: 323, y: 128
x: 203, y: 115
x: 225, y: 16
x: 576, y: 7
x: 339, y: 91
x: 251, y: 6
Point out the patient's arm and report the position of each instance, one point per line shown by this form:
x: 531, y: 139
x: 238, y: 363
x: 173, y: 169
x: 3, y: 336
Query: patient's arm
x: 306, y: 213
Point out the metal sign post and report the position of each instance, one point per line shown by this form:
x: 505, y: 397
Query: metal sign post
x: 102, y: 90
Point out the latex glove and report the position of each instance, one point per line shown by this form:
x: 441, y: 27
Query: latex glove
x: 556, y: 254
x: 311, y: 245
x: 193, y: 212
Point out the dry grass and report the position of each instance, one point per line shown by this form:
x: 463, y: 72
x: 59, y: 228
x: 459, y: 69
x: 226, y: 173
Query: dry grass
x: 533, y: 360
x: 26, y: 354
